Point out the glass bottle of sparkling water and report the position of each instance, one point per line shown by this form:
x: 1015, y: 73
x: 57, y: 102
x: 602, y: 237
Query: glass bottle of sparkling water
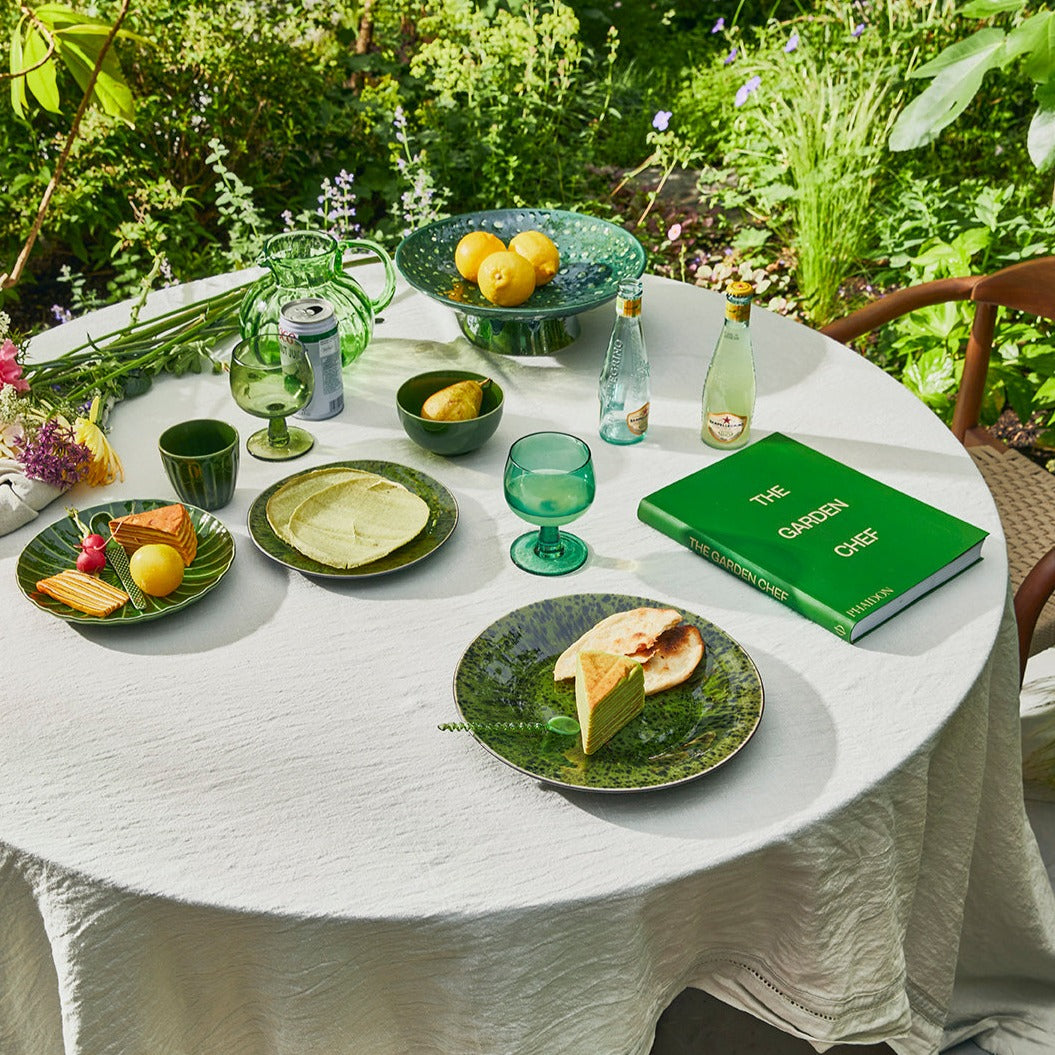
x: 623, y: 387
x: 729, y: 391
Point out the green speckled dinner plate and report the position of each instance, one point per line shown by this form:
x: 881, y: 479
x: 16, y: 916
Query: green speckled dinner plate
x: 443, y: 516
x: 506, y: 674
x: 595, y: 256
x: 55, y: 549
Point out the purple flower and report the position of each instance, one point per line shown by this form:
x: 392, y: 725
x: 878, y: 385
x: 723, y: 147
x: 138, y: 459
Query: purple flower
x: 662, y: 120
x: 718, y: 26
x: 61, y: 314
x: 858, y: 29
x: 792, y: 44
x: 731, y: 56
x: 54, y: 455
x: 747, y: 90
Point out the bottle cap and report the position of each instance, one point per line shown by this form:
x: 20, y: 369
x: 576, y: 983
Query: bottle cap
x: 738, y: 301
x: 740, y: 292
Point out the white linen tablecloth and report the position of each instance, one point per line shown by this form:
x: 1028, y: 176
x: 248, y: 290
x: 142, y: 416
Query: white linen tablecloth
x: 237, y: 830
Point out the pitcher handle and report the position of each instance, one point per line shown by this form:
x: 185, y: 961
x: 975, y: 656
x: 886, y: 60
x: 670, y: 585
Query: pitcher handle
x: 379, y: 251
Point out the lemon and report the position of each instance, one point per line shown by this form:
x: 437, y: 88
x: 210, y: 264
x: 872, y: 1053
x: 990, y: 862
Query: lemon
x: 156, y: 569
x: 539, y: 252
x: 506, y: 279
x: 473, y: 249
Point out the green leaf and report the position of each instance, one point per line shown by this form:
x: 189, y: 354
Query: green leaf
x: 18, y: 84
x: 948, y: 94
x: 931, y: 376
x: 101, y: 29
x: 111, y: 92
x: 984, y: 8
x: 58, y: 14
x: 941, y: 321
x: 1027, y: 36
x: 1040, y: 140
x: 971, y: 241
x: 41, y: 81
x: 964, y: 54
x: 1045, y: 395
x: 1040, y: 62
x: 751, y: 238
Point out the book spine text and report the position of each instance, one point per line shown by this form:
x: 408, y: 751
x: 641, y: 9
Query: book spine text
x: 775, y: 586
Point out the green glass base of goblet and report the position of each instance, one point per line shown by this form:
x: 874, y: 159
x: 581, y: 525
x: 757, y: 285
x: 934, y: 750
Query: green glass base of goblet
x: 260, y: 445
x: 535, y: 554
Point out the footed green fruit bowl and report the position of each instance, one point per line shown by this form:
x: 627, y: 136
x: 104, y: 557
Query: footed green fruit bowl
x: 595, y: 256
x: 447, y: 437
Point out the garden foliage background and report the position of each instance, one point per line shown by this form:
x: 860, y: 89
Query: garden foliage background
x: 749, y: 137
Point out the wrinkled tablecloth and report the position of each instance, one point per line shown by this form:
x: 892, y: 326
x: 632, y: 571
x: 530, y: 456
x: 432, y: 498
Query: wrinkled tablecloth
x: 238, y: 831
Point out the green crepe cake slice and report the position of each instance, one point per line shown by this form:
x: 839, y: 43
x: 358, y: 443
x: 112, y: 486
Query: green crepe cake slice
x: 609, y: 692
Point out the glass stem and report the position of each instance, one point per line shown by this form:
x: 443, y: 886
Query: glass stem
x: 277, y: 433
x: 549, y: 543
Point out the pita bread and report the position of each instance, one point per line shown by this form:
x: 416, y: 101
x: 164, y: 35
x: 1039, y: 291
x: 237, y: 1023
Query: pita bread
x: 676, y: 655
x: 629, y: 633
x: 357, y: 521
x: 283, y: 503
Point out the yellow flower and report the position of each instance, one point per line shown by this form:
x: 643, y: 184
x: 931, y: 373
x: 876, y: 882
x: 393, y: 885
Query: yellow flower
x: 106, y: 467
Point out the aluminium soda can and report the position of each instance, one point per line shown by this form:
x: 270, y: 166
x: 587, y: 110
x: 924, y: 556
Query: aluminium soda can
x: 312, y: 323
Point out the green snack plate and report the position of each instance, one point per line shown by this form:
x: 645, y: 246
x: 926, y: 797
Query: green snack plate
x: 595, y: 256
x: 506, y: 674
x: 55, y: 549
x: 443, y: 516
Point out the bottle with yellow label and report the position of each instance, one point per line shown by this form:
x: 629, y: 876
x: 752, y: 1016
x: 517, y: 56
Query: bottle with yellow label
x: 729, y: 391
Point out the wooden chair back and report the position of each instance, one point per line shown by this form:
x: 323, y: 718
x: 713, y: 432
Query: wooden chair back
x: 1028, y: 287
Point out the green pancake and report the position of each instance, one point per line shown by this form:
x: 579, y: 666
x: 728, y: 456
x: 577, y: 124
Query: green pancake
x: 283, y: 503
x: 355, y: 521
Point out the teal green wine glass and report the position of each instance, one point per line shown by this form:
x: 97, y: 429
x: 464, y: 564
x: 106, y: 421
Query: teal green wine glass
x: 549, y: 481
x: 272, y: 378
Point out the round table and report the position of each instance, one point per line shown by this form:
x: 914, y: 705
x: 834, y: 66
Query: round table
x: 238, y: 829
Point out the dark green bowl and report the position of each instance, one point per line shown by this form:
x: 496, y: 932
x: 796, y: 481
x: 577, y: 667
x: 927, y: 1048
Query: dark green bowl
x: 447, y: 437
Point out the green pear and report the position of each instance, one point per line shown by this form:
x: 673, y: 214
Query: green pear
x: 458, y: 402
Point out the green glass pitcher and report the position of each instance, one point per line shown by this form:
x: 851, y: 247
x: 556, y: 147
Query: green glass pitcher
x: 310, y: 264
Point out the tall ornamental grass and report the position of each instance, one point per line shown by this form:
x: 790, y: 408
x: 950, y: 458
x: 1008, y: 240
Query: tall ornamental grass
x: 830, y: 130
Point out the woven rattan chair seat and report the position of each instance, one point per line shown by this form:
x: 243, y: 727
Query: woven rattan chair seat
x: 1025, y: 499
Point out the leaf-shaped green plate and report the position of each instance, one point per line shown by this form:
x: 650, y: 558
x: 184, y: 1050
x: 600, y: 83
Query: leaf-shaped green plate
x: 443, y: 515
x: 507, y: 674
x: 55, y: 549
x: 595, y: 256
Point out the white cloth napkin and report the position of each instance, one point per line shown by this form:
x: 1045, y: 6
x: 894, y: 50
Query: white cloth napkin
x: 21, y: 498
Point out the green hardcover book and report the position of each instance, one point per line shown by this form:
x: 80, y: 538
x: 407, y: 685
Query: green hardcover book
x: 830, y: 542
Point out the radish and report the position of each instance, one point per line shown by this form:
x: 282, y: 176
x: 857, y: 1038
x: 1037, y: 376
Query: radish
x: 91, y: 561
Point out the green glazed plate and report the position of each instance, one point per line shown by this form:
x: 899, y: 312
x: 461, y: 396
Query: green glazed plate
x: 595, y: 256
x: 506, y: 674
x: 443, y: 516
x: 55, y: 549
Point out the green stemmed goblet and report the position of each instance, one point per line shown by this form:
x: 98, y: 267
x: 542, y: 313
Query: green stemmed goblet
x: 549, y: 481
x: 272, y: 378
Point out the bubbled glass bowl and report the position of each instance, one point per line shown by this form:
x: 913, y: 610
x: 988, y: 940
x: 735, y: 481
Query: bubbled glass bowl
x: 595, y: 256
